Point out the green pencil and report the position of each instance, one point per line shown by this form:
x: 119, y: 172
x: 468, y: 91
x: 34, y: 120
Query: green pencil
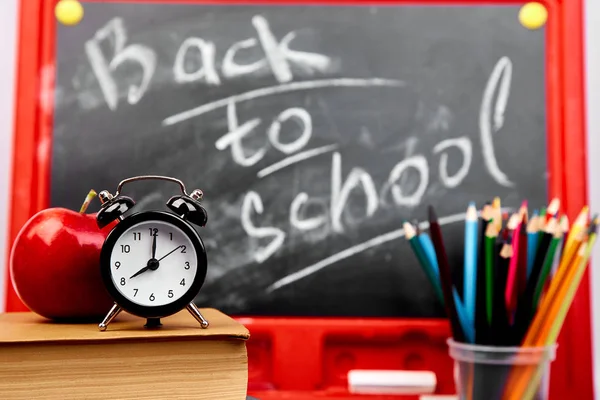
x: 541, y: 224
x: 556, y: 239
x: 491, y: 234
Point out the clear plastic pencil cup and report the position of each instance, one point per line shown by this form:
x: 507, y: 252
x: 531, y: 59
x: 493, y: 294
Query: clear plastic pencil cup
x: 501, y: 373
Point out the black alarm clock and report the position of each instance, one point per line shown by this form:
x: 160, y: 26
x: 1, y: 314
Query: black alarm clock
x: 153, y: 263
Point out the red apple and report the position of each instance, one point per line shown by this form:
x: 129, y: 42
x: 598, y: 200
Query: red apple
x: 54, y: 264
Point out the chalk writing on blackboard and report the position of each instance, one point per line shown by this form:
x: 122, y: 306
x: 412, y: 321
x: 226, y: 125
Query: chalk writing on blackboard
x: 278, y: 55
x: 312, y: 136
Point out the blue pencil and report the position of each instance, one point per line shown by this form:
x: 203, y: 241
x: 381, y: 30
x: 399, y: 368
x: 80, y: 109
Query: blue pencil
x: 429, y: 250
x: 411, y: 235
x: 532, y: 241
x: 467, y: 327
x: 470, y: 266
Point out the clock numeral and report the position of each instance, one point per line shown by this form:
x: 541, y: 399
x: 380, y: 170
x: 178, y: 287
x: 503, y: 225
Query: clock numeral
x: 122, y: 281
x: 182, y: 283
x: 171, y: 235
x: 170, y: 294
x: 135, y: 294
x: 183, y: 249
x: 137, y: 235
x: 187, y: 265
x: 153, y: 231
x: 117, y: 264
x: 125, y: 248
x: 152, y: 298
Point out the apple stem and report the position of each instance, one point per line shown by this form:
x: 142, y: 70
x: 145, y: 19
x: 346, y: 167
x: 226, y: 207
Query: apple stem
x: 88, y: 199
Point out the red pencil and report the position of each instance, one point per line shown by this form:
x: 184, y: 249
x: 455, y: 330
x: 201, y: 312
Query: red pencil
x: 522, y: 258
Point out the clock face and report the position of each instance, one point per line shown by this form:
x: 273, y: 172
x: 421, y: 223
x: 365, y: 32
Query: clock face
x: 153, y: 263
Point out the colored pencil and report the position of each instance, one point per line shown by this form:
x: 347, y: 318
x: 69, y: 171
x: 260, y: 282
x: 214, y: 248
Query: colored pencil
x: 573, y: 284
x: 524, y: 312
x: 564, y: 225
x: 445, y: 274
x: 497, y: 212
x: 562, y: 272
x: 545, y: 329
x: 520, y: 276
x: 481, y: 319
x: 470, y: 261
x: 500, y: 321
x: 491, y: 236
x: 541, y: 223
x: 467, y: 328
x: 522, y: 256
x: 511, y: 283
x: 552, y: 208
x: 578, y: 225
x: 411, y: 235
x: 427, y: 246
x: 547, y: 266
x: 532, y: 231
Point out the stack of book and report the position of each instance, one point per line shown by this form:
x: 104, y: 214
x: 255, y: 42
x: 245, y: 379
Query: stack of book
x: 45, y: 360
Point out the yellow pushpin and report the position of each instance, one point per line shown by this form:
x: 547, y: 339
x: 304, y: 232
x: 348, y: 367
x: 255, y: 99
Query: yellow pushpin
x: 68, y: 12
x: 533, y: 15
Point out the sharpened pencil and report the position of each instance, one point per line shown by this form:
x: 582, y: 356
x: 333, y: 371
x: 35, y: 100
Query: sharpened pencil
x: 481, y: 320
x: 470, y: 262
x: 500, y: 321
x: 525, y: 311
x: 411, y: 235
x: 545, y: 329
x: 547, y: 267
x: 532, y: 231
x: 552, y: 208
x: 511, y: 282
x: 445, y: 275
x: 491, y: 236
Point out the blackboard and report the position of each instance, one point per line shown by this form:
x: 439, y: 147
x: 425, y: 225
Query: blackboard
x: 313, y: 132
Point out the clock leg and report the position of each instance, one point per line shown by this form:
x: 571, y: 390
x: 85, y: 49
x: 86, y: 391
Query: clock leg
x: 114, y: 311
x: 197, y: 314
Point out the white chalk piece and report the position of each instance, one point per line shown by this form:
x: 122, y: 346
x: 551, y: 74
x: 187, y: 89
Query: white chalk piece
x: 439, y: 397
x: 391, y: 382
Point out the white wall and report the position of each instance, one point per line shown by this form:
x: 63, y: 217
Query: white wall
x: 8, y: 33
x: 592, y: 22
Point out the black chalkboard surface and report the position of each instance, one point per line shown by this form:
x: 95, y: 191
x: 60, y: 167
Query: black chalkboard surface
x: 313, y: 131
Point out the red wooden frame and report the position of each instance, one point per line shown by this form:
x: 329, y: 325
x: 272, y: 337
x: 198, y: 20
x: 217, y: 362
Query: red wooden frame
x: 572, y: 371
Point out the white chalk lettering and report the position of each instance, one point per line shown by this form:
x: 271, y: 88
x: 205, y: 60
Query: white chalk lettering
x: 234, y: 138
x: 419, y: 163
x: 340, y: 193
x: 304, y: 224
x: 464, y: 145
x: 502, y: 71
x: 231, y: 69
x: 207, y: 69
x: 252, y: 201
x: 303, y: 117
x: 103, y: 69
x: 278, y: 54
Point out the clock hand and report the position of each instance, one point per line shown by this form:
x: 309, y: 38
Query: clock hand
x: 152, y: 264
x: 154, y: 246
x: 146, y: 268
x: 170, y: 252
